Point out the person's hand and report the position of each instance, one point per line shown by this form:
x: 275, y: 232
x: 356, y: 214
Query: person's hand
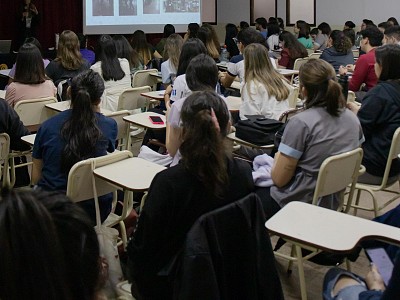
x: 350, y: 68
x: 168, y: 90
x: 33, y: 9
x: 353, y: 107
x: 342, y: 70
x: 374, y: 280
x: 221, y: 75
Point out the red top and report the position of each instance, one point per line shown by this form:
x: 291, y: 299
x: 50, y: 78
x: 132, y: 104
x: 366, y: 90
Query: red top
x: 364, y: 72
x: 285, y: 60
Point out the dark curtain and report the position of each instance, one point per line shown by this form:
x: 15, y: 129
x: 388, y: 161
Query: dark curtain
x: 54, y: 17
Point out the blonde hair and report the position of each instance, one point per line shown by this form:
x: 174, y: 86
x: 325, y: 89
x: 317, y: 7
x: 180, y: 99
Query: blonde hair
x: 68, y: 51
x: 258, y: 67
x: 172, y: 49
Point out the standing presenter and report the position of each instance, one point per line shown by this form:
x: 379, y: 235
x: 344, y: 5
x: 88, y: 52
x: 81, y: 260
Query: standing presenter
x: 29, y: 19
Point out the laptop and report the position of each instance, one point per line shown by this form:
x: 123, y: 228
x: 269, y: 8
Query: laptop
x: 5, y: 46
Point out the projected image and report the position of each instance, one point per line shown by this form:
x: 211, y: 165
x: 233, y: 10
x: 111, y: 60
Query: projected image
x: 127, y: 7
x: 103, y: 7
x: 151, y: 7
x: 182, y: 6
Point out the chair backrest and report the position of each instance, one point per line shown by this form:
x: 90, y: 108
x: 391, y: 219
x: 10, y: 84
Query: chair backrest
x: 394, y: 152
x: 315, y: 55
x: 299, y: 62
x: 34, y: 112
x: 356, y: 53
x: 285, y: 116
x: 310, y: 51
x: 80, y: 184
x: 130, y: 99
x: 143, y: 77
x: 351, y: 97
x: 123, y: 136
x: 336, y: 173
x: 293, y: 97
x: 4, y: 151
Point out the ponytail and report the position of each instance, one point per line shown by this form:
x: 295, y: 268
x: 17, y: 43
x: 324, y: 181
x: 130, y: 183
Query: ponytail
x: 205, y: 120
x: 319, y: 79
x: 80, y: 132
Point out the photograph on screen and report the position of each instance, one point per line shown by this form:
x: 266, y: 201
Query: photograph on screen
x: 127, y: 7
x: 151, y: 7
x: 103, y: 7
x: 181, y: 6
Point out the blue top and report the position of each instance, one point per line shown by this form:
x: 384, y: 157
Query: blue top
x: 49, y: 146
x: 88, y: 55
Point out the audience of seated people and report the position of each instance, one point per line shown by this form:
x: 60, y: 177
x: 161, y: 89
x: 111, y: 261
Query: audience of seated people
x: 201, y: 175
x: 30, y: 80
x: 115, y: 72
x: 73, y: 135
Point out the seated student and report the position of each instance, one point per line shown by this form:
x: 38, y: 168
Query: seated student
x: 261, y: 26
x: 363, y: 70
x: 201, y: 75
x: 379, y: 115
x: 168, y: 30
x: 392, y: 35
x: 273, y: 37
x: 350, y: 33
x: 125, y: 50
x: 292, y: 49
x: 231, y: 32
x: 145, y: 50
x: 30, y: 40
x: 339, y: 51
x: 393, y: 21
x: 69, y: 61
x: 243, y: 25
x: 264, y: 91
x: 86, y: 53
x: 349, y: 25
x: 383, y: 26
x: 302, y: 29
x: 321, y: 40
x: 205, y: 35
x: 30, y: 80
x: 205, y: 179
x: 48, y: 246
x: 191, y: 32
x: 190, y: 49
x: 342, y: 284
x: 172, y: 49
x: 235, y: 67
x: 324, y: 129
x: 73, y: 135
x: 115, y: 72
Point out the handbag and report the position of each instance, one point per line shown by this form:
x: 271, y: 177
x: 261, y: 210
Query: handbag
x: 108, y: 238
x: 257, y: 129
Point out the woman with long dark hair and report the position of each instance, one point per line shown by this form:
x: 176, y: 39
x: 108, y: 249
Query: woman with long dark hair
x: 114, y: 71
x: 30, y: 80
x: 339, y: 51
x: 205, y: 179
x: 302, y: 29
x: 69, y: 61
x: 73, y: 135
x: 292, y: 49
x: 231, y: 33
x: 206, y: 36
x: 324, y: 129
x: 146, y: 51
x: 125, y: 50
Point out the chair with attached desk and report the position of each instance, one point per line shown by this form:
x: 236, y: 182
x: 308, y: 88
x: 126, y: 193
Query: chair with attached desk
x: 335, y: 175
x: 144, y: 77
x: 80, y: 187
x: 4, y: 152
x: 297, y: 64
x: 372, y: 189
x: 314, y: 55
x: 123, y: 136
x: 131, y: 100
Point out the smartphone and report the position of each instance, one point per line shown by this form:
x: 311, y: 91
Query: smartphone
x: 156, y: 120
x: 381, y: 259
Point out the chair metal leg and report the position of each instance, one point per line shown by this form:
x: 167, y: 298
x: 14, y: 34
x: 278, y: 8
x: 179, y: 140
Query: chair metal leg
x: 290, y: 263
x: 123, y: 234
x: 357, y: 202
x: 375, y: 203
x: 348, y: 264
x: 300, y: 267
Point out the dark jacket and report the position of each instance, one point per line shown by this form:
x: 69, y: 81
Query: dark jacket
x: 379, y: 116
x: 228, y: 255
x: 12, y: 125
x: 337, y: 59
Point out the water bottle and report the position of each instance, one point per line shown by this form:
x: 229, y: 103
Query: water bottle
x: 224, y: 57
